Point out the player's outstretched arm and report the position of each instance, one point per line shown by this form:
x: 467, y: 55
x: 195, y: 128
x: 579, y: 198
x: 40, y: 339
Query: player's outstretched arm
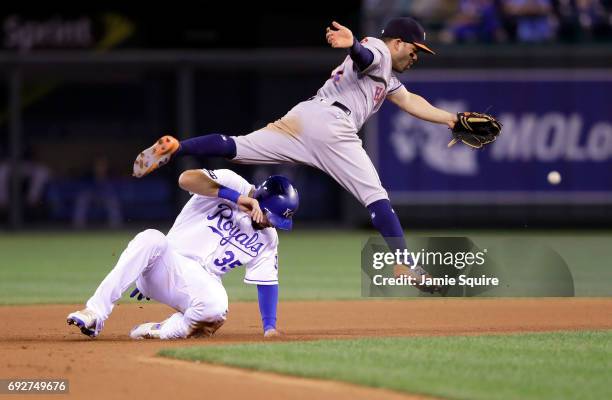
x: 343, y: 38
x: 340, y: 37
x: 417, y: 106
x: 196, y: 181
x: 267, y: 296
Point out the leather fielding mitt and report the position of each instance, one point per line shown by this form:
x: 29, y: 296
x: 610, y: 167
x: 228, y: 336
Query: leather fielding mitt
x: 475, y: 129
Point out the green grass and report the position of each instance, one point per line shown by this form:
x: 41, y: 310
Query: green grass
x: 67, y: 267
x: 567, y: 365
x: 60, y: 267
x: 55, y: 267
x: 587, y: 254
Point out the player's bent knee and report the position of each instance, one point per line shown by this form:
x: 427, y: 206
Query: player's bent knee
x: 208, y: 311
x: 151, y: 238
x: 217, y: 314
x: 207, y: 319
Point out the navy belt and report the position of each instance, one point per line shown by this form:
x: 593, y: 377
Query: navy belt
x: 341, y: 106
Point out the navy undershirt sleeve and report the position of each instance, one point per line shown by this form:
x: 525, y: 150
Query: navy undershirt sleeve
x: 361, y: 56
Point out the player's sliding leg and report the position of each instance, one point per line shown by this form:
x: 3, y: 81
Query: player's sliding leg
x: 141, y: 254
x: 180, y: 326
x: 167, y: 147
x: 152, y: 330
x: 202, y: 302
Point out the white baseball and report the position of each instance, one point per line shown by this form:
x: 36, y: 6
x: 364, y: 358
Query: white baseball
x: 554, y: 177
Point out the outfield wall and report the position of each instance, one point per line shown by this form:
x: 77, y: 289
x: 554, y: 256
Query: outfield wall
x: 68, y: 109
x: 553, y: 120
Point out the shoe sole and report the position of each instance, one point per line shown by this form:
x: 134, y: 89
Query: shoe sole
x: 155, y: 156
x: 80, y: 324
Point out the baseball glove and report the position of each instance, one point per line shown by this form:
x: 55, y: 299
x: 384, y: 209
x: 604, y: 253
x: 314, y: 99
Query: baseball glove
x: 475, y: 129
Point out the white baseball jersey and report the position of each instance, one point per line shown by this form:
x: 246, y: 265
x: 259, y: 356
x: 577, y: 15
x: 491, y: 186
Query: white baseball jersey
x: 183, y: 269
x: 220, y: 237
x: 362, y: 92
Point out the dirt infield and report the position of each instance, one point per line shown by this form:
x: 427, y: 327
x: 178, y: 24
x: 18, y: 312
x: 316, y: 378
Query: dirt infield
x: 35, y: 342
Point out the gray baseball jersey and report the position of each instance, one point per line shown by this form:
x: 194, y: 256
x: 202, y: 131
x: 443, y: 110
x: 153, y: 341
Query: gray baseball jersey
x: 319, y: 134
x: 362, y: 91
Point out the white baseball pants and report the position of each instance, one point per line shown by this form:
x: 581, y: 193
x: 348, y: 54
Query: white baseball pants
x: 168, y: 277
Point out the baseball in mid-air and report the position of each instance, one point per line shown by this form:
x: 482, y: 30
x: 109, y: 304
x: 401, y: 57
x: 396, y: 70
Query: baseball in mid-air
x: 554, y: 177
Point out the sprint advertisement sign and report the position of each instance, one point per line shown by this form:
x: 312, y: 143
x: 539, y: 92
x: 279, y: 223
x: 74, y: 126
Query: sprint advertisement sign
x: 551, y: 122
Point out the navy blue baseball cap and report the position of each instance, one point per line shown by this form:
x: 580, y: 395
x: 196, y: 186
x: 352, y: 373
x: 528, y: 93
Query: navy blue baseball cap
x: 407, y: 29
x: 279, y: 200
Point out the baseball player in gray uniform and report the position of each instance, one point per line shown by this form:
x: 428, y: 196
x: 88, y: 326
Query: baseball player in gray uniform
x: 322, y: 131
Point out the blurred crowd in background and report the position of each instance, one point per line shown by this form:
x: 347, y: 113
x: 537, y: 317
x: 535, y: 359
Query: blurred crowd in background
x: 501, y: 21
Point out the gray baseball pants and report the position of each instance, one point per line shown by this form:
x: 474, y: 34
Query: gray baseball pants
x: 318, y: 134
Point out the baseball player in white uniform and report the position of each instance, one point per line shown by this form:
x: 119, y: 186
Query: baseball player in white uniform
x: 323, y: 131
x: 226, y: 224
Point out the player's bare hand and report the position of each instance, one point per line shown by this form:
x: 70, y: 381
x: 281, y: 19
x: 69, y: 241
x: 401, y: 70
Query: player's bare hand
x: 340, y: 37
x: 251, y: 207
x: 272, y: 333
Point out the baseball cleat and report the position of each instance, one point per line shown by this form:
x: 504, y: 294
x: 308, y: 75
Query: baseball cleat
x: 148, y: 330
x: 155, y: 156
x: 87, y: 321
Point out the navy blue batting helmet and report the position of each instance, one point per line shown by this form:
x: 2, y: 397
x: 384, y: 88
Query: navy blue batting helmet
x: 279, y: 200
